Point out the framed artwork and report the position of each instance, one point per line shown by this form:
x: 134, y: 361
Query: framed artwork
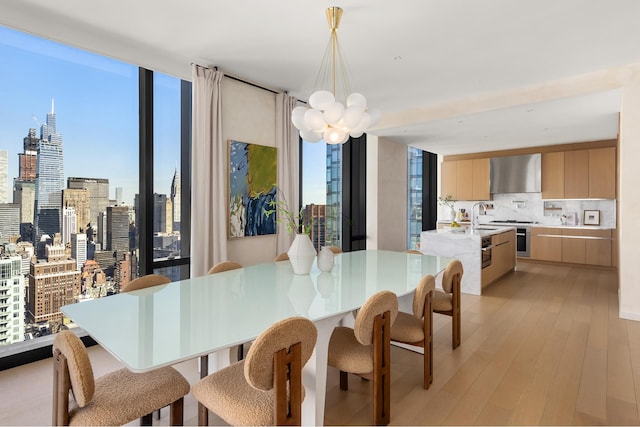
x: 252, y: 186
x: 591, y: 217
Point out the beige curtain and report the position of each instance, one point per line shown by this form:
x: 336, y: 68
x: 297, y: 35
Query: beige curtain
x: 208, y: 154
x: 288, y: 160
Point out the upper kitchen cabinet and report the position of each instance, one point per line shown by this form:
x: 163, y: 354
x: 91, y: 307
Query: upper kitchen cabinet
x: 579, y: 174
x: 553, y: 175
x: 466, y: 179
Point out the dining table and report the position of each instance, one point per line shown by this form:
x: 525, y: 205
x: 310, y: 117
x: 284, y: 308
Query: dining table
x: 201, y: 316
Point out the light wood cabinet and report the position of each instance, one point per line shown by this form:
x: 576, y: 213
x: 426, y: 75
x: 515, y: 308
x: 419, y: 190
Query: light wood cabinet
x: 481, y: 179
x: 553, y: 175
x: 503, y: 257
x: 576, y: 174
x: 571, y: 245
x: 465, y: 179
x: 602, y: 173
x: 546, y: 244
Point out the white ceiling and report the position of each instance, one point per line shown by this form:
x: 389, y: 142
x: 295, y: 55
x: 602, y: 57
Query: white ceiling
x: 416, y: 60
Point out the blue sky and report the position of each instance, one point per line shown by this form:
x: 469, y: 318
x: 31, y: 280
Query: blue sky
x: 96, y: 106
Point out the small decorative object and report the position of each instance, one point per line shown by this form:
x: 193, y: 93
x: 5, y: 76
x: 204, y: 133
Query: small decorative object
x: 448, y: 201
x: 325, y: 259
x: 301, y: 254
x: 591, y: 217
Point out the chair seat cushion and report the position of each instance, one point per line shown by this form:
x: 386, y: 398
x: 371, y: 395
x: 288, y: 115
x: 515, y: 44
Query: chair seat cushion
x: 442, y: 301
x: 124, y: 396
x: 407, y: 328
x: 347, y: 354
x: 228, y: 394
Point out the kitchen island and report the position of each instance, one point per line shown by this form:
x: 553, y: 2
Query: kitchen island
x: 498, y: 254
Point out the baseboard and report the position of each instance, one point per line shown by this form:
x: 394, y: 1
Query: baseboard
x: 626, y: 314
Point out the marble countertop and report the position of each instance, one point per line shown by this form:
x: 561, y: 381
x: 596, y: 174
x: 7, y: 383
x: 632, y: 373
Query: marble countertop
x: 574, y: 227
x: 465, y: 231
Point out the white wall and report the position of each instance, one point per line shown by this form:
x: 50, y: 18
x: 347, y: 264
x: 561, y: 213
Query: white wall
x: 249, y: 115
x: 386, y: 195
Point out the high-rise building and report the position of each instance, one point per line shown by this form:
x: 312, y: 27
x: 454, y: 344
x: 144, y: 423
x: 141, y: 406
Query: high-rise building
x: 414, y: 197
x: 169, y: 216
x: 101, y: 232
x: 27, y: 159
x: 53, y: 282
x: 98, y: 194
x: 333, y: 236
x: 69, y: 220
x: 119, y: 200
x: 11, y: 299
x: 118, y: 229
x: 49, y: 179
x: 79, y: 249
x: 159, y: 213
x: 9, y: 222
x: 78, y: 199
x: 314, y: 219
x: 24, y: 195
x: 175, y: 200
x: 4, y: 176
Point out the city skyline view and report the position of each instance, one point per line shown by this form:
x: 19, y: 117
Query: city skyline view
x: 96, y: 104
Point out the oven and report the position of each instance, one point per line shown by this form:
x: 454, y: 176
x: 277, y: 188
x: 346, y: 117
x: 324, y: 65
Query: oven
x: 486, y: 251
x: 523, y: 241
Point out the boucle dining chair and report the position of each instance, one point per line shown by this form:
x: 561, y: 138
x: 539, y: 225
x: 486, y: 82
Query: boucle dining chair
x: 413, y: 251
x: 281, y: 257
x: 116, y: 398
x: 146, y: 281
x: 365, y: 350
x: 266, y: 387
x: 335, y: 249
x: 447, y: 302
x: 224, y: 266
x: 417, y: 328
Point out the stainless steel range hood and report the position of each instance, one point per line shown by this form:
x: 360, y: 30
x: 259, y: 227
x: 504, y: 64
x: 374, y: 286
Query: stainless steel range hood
x: 516, y: 174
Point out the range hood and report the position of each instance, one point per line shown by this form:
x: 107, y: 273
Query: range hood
x: 516, y: 174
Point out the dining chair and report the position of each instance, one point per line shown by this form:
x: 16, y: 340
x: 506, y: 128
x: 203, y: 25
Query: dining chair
x: 447, y: 301
x: 146, y: 282
x: 417, y: 328
x: 224, y: 266
x: 365, y: 350
x: 413, y: 251
x: 265, y: 388
x: 116, y: 398
x: 281, y: 257
x: 335, y: 249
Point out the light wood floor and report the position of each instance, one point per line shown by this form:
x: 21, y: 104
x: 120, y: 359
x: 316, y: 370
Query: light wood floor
x: 542, y: 346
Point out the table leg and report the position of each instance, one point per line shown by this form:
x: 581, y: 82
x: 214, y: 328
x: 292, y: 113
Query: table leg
x: 203, y: 412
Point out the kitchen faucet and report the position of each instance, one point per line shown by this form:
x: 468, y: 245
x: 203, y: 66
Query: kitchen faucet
x: 474, y: 218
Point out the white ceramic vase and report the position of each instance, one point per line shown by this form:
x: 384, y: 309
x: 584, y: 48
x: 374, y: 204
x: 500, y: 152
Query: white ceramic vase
x: 325, y: 259
x: 301, y: 254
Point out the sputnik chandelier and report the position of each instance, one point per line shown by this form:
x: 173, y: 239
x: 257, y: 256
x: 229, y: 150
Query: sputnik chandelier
x: 327, y: 116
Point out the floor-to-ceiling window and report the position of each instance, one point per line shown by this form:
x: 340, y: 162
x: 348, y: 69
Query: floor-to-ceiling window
x: 70, y: 190
x: 414, y: 197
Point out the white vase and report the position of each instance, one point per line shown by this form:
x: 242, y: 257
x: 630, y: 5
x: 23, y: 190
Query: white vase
x: 325, y: 259
x: 452, y: 214
x: 301, y: 254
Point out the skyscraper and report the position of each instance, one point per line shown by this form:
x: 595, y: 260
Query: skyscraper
x: 9, y: 222
x: 79, y: 249
x: 27, y: 159
x: 314, y: 219
x: 119, y: 200
x: 79, y: 200
x: 98, y: 194
x: 175, y: 199
x: 11, y: 299
x: 49, y: 179
x: 118, y: 229
x: 68, y: 224
x: 159, y: 213
x: 4, y: 177
x: 334, y: 196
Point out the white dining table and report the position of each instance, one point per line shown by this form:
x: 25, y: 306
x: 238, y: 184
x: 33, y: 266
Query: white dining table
x: 167, y: 324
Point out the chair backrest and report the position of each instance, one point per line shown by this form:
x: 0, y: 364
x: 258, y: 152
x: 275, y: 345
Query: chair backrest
x: 224, y: 266
x: 425, y: 285
x: 378, y: 303
x: 335, y: 249
x: 413, y: 251
x: 258, y: 365
x: 453, y: 273
x: 282, y: 257
x: 67, y: 344
x: 146, y: 282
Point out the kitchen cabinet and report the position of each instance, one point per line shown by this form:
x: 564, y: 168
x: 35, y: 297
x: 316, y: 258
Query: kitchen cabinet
x: 503, y: 257
x: 553, y: 175
x: 546, y: 244
x: 572, y: 245
x: 465, y: 179
x: 579, y: 174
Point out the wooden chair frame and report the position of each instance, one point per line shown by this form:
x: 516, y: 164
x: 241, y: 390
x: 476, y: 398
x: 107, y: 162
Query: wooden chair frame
x: 454, y: 312
x: 62, y: 386
x: 381, y: 369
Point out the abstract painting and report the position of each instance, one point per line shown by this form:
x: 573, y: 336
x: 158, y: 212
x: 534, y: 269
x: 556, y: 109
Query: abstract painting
x: 252, y: 186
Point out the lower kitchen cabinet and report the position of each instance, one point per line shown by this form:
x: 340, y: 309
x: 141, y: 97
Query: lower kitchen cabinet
x: 571, y: 245
x: 503, y: 257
